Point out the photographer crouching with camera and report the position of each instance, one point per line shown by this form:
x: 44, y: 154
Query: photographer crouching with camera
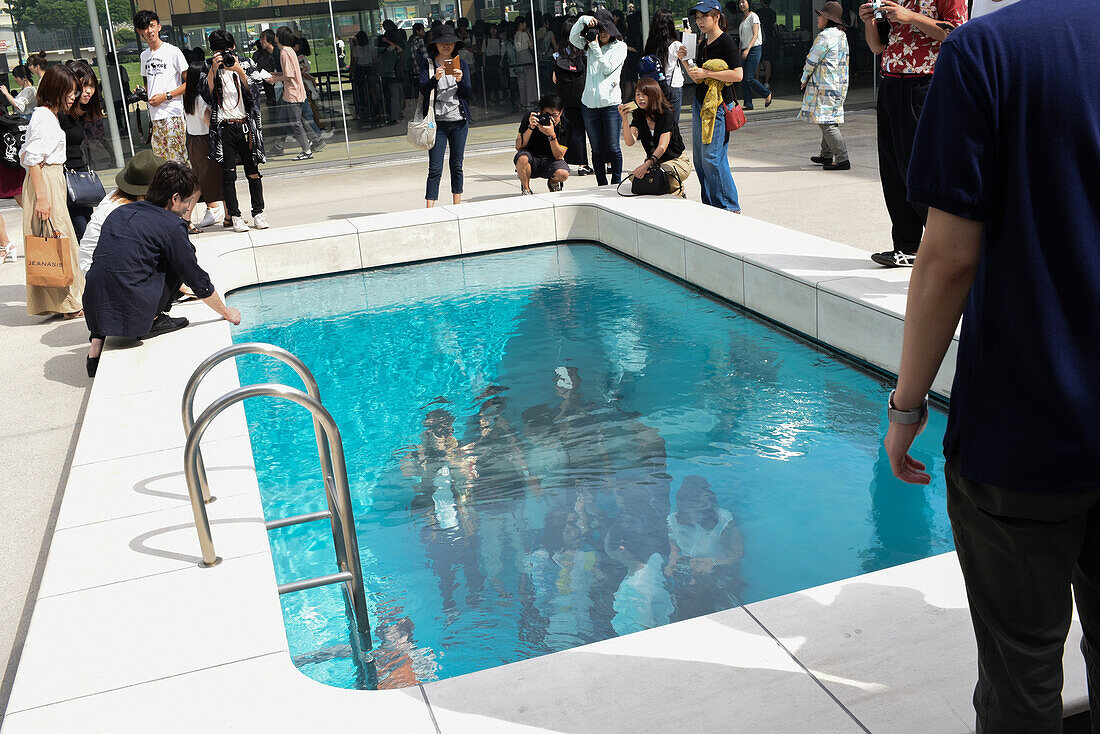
x: 541, y: 153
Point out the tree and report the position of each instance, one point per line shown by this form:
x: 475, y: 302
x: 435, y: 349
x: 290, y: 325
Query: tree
x: 71, y: 15
x: 212, y: 5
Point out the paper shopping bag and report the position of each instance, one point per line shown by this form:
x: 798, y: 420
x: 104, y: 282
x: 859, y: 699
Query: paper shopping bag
x: 49, y: 261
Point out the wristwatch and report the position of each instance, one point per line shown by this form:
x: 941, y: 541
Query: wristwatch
x: 906, y: 417
x: 167, y: 96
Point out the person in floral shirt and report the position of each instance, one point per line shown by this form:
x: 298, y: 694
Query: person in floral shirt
x: 908, y: 37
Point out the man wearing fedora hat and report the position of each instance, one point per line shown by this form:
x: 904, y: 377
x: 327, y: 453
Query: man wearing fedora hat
x: 142, y: 258
x: 908, y: 35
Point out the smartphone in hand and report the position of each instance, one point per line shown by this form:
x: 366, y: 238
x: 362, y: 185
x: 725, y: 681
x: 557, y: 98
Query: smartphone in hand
x: 631, y: 106
x: 449, y: 66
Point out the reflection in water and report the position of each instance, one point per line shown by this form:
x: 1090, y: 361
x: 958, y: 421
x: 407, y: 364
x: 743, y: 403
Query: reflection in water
x: 901, y: 518
x: 515, y: 445
x: 706, y: 550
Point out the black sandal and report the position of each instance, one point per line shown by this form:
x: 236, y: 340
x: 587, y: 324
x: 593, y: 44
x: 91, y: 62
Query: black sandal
x: 192, y: 229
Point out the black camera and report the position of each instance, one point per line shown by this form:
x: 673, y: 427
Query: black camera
x: 137, y: 94
x: 544, y: 118
x: 591, y: 33
x: 229, y: 59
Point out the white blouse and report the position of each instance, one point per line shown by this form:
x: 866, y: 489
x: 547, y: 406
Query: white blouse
x: 45, y: 140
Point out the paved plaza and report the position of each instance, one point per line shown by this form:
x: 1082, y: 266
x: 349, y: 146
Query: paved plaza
x: 43, y: 359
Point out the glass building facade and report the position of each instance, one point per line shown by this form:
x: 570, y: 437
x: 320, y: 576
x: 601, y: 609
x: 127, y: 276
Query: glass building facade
x: 356, y: 113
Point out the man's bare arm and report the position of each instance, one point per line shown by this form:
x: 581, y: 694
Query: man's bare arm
x: 938, y: 288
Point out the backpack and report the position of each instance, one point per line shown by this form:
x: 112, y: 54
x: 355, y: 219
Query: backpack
x: 13, y: 130
x: 650, y: 67
x: 570, y: 74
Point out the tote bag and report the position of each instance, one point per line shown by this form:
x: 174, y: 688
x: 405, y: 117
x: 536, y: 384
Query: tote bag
x: 421, y: 132
x: 48, y: 259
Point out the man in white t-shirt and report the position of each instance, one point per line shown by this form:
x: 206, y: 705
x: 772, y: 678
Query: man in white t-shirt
x: 163, y: 65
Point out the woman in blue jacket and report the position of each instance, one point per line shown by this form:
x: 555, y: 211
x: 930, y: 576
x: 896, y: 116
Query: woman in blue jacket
x: 452, y: 110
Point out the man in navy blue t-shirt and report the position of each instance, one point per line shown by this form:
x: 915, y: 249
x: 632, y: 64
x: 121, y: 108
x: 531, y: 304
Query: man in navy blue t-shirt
x: 1007, y: 158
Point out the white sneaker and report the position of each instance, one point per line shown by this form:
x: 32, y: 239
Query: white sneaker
x: 260, y: 221
x: 9, y: 254
x: 326, y: 134
x: 207, y: 220
x: 317, y: 145
x: 239, y: 225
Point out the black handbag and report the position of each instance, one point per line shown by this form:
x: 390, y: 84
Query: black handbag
x: 653, y: 183
x: 84, y: 188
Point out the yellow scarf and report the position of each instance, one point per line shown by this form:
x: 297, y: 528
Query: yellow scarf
x: 713, y: 98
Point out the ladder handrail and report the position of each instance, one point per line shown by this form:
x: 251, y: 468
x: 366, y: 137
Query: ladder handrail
x: 269, y: 350
x: 235, y: 350
x: 347, y: 546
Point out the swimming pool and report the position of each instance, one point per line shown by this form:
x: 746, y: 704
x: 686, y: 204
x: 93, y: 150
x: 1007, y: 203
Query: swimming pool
x: 520, y: 429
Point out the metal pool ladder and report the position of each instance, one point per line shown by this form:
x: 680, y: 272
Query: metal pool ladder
x: 330, y: 451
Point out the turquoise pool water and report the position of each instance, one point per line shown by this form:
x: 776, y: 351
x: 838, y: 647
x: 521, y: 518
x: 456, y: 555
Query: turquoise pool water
x: 553, y: 446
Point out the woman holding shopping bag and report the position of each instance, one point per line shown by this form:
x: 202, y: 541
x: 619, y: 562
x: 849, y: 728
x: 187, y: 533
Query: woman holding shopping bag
x: 825, y: 79
x: 45, y: 205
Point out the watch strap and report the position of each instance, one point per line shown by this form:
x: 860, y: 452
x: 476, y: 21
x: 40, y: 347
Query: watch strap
x: 906, y: 417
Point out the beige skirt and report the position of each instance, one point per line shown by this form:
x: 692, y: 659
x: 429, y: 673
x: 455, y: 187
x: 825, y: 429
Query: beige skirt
x: 41, y: 300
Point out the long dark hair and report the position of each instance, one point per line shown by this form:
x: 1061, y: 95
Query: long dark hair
x: 568, y: 50
x: 85, y: 76
x: 193, y: 78
x: 662, y: 32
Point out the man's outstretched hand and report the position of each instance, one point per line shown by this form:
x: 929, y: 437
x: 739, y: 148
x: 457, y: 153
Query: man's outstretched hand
x: 899, y: 439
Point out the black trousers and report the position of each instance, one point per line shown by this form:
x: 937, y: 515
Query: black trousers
x: 235, y: 147
x: 171, y: 292
x: 899, y: 105
x: 577, y: 153
x: 1021, y: 553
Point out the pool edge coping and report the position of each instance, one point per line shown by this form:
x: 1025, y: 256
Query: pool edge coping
x: 791, y: 266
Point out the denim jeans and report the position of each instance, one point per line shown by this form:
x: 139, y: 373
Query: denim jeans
x: 676, y: 98
x: 451, y: 134
x: 604, y: 126
x: 751, y: 83
x: 716, y: 186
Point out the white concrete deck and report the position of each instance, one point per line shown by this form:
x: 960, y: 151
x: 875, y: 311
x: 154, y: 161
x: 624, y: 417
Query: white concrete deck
x: 130, y: 635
